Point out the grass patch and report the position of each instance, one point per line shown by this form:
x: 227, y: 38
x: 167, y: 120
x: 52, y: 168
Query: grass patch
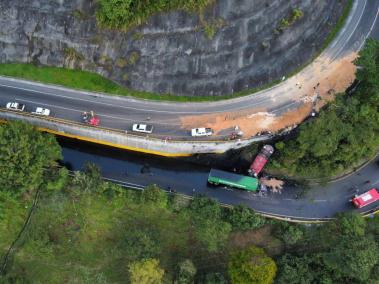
x: 12, y: 217
x: 296, y: 14
x: 83, y: 80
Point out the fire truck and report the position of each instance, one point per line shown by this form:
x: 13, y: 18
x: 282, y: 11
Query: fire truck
x: 366, y: 198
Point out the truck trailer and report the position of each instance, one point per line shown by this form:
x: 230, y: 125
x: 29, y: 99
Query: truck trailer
x: 218, y: 177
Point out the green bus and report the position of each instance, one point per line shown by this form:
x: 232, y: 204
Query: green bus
x: 217, y: 177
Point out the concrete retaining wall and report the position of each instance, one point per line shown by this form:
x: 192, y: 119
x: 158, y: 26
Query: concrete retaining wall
x: 119, y: 139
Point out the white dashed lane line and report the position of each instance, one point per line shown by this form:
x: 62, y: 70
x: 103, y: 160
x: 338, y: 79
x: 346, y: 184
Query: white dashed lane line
x: 100, y: 114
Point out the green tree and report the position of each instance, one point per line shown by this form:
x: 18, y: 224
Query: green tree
x: 205, y: 207
x: 348, y: 224
x: 214, y: 278
x: 152, y: 194
x: 251, y: 265
x: 292, y: 234
x: 114, y: 13
x: 24, y: 156
x: 210, y: 229
x: 295, y: 270
x: 187, y: 272
x: 56, y: 179
x: 353, y: 258
x: 373, y: 227
x: 244, y: 218
x: 146, y: 272
x: 140, y: 243
x: 89, y: 180
x: 369, y: 59
x: 341, y: 251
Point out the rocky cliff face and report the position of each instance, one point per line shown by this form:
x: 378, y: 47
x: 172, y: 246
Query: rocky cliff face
x: 171, y: 53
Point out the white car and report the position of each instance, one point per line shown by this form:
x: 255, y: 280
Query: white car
x: 42, y: 111
x: 15, y: 106
x: 144, y: 128
x: 196, y: 132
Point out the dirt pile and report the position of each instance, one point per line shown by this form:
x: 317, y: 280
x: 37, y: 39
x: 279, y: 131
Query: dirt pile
x: 275, y: 185
x: 309, y: 90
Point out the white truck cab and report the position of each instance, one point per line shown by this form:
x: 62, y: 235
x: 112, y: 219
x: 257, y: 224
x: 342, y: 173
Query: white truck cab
x: 42, y: 111
x: 203, y: 131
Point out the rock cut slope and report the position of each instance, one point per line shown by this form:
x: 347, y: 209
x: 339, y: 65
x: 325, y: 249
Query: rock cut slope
x: 171, y: 53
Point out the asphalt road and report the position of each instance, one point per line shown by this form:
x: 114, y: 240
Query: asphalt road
x: 121, y: 112
x: 293, y: 202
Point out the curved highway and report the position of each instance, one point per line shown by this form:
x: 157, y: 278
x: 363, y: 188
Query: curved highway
x: 318, y: 202
x: 121, y: 112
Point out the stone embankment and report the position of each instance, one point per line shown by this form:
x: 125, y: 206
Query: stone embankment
x: 252, y: 42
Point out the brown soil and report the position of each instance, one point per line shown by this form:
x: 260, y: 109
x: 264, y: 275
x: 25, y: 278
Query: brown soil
x: 249, y: 123
x: 331, y: 77
x: 276, y: 185
x: 322, y: 79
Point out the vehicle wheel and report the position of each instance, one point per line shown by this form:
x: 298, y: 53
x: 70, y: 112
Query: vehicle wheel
x: 212, y: 184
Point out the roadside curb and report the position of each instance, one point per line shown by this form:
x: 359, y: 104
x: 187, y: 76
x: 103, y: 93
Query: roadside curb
x: 344, y: 176
x: 292, y: 219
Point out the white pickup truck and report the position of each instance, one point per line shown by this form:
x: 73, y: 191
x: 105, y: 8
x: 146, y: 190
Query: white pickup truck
x: 42, y: 111
x: 144, y: 128
x: 15, y: 106
x: 197, y: 132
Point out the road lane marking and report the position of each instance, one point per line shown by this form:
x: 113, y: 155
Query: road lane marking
x: 120, y: 106
x: 352, y: 32
x: 263, y: 101
x: 101, y: 115
x: 370, y: 31
x: 106, y: 104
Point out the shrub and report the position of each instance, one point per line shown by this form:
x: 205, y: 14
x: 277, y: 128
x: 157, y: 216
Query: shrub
x: 251, y: 265
x: 121, y: 14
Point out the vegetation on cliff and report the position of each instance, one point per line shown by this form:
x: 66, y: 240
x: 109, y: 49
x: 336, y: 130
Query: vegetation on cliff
x: 121, y: 14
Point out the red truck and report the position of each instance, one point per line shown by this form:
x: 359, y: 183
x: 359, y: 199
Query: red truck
x: 366, y: 198
x: 261, y: 160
